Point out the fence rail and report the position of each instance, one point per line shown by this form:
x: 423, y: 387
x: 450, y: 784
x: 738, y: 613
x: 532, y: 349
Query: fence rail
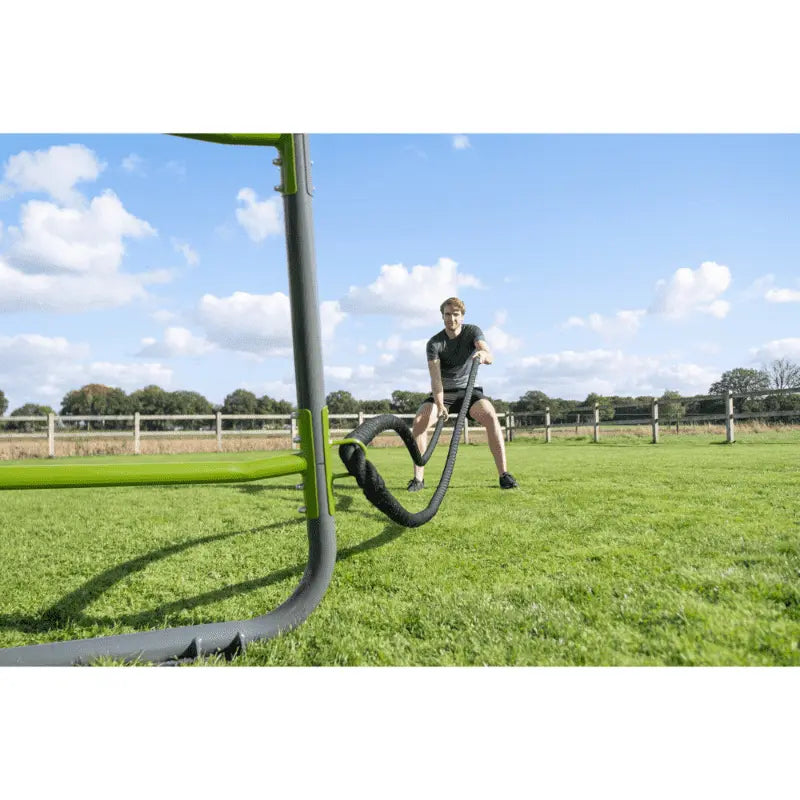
x: 56, y: 427
x: 728, y: 414
x: 61, y: 427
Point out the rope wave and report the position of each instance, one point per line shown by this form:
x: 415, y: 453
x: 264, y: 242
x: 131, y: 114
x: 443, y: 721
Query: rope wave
x: 370, y: 480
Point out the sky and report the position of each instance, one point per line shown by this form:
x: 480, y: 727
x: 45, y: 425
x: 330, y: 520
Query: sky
x: 608, y: 263
x: 617, y: 264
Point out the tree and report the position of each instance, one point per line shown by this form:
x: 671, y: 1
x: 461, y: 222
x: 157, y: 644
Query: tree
x: 3, y: 403
x: 152, y: 400
x: 268, y: 405
x: 97, y: 399
x: 742, y: 381
x: 500, y: 406
x: 606, y: 408
x: 240, y: 401
x: 29, y: 410
x: 670, y: 407
x: 531, y: 402
x: 185, y: 402
x: 376, y: 406
x: 407, y: 402
x: 783, y: 374
x: 341, y: 402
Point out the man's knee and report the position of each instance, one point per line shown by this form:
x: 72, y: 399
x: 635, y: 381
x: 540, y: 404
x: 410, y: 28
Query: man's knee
x: 483, y: 413
x: 422, y: 421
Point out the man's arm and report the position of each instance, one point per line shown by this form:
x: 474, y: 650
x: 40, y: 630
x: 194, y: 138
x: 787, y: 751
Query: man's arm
x: 437, y: 389
x: 482, y: 352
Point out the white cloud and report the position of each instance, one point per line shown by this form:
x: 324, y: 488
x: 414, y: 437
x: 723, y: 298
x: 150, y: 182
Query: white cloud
x: 460, y: 142
x: 252, y: 323
x: 71, y: 293
x: 126, y: 376
x: 574, y: 374
x: 260, y: 218
x: 133, y: 164
x: 258, y: 324
x: 498, y: 340
x: 177, y: 342
x: 777, y: 348
x: 360, y: 372
x: 54, y: 172
x: 164, y: 316
x: 759, y: 287
x: 177, y: 168
x: 42, y: 369
x: 185, y: 250
x: 622, y: 324
x: 782, y: 296
x: 68, y: 240
x: 68, y: 259
x: 690, y: 290
x: 414, y: 294
x: 331, y: 315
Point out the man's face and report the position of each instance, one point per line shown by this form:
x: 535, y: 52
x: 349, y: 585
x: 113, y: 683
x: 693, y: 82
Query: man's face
x: 452, y: 317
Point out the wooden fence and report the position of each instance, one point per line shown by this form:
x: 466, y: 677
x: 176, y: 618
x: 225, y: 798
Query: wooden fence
x: 520, y: 421
x: 60, y: 427
x: 54, y: 426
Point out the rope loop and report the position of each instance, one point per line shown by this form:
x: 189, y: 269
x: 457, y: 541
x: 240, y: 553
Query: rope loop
x: 368, y: 477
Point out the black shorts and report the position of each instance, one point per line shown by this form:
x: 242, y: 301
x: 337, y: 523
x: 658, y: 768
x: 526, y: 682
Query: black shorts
x: 454, y: 399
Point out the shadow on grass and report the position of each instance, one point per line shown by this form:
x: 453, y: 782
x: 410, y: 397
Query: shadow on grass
x: 68, y: 612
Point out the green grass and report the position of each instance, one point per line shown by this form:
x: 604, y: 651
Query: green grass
x: 613, y: 553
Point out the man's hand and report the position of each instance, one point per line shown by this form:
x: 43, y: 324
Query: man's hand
x: 481, y: 356
x: 443, y: 413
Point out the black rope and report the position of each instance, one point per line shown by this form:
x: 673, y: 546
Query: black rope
x: 372, y: 483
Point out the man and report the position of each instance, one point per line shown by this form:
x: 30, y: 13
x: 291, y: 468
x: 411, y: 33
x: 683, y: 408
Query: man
x: 450, y: 354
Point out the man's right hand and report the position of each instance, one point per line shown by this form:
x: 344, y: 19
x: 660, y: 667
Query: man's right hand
x: 443, y: 413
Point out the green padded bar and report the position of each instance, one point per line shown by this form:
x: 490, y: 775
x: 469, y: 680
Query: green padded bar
x: 283, y: 141
x: 70, y: 476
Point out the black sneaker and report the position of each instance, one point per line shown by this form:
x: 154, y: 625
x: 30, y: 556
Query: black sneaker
x: 507, y: 481
x: 414, y: 485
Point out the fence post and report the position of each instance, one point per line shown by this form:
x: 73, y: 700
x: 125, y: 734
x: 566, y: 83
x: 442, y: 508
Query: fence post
x: 597, y: 422
x: 577, y: 422
x: 137, y: 445
x: 466, y: 429
x: 360, y: 417
x: 547, y: 424
x: 512, y: 421
x: 51, y: 435
x: 293, y: 430
x: 219, y: 431
x: 730, y: 435
x: 655, y: 420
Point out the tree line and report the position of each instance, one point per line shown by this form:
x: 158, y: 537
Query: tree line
x: 98, y: 400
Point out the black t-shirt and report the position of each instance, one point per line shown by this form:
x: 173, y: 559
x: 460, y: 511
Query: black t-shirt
x: 454, y: 354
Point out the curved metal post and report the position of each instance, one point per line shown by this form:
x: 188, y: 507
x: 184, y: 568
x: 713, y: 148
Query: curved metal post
x: 194, y: 640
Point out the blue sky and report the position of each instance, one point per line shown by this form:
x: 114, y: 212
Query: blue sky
x: 624, y: 264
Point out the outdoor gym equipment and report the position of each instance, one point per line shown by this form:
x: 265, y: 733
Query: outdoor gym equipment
x: 312, y: 462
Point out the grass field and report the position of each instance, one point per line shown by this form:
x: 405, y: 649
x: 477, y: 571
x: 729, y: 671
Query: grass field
x: 617, y: 553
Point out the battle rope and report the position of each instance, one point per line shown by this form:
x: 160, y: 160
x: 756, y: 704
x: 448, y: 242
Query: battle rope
x: 370, y: 480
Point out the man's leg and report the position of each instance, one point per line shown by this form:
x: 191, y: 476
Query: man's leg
x: 484, y: 414
x: 426, y: 416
